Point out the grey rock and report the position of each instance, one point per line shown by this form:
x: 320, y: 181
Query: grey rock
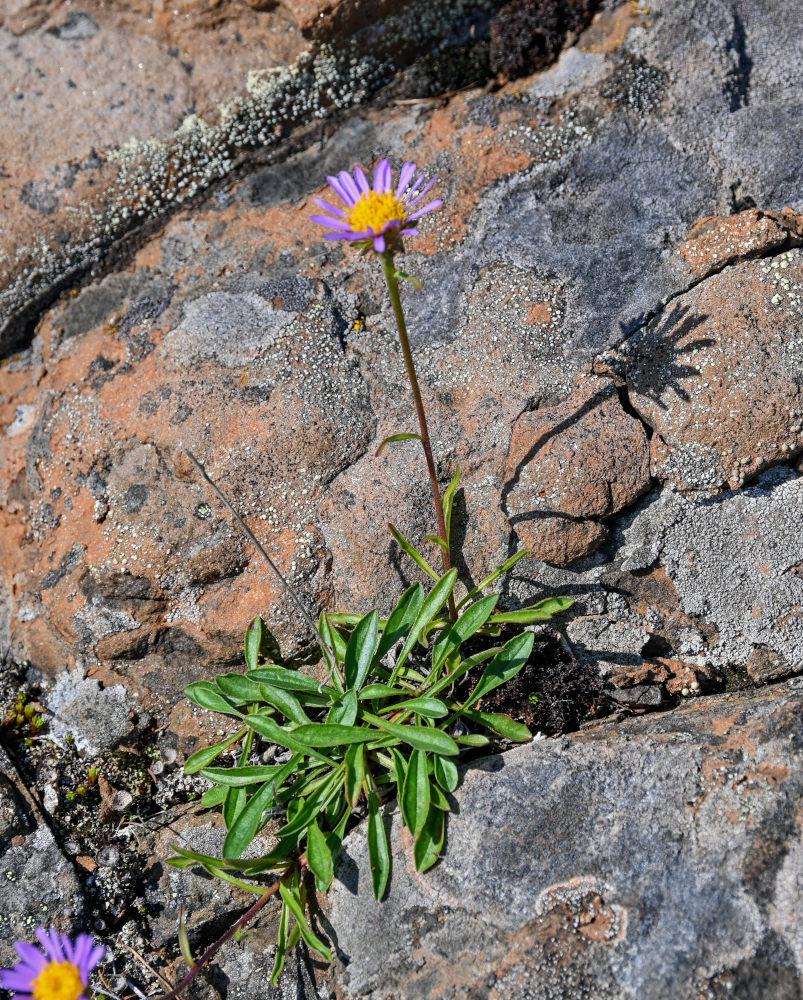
x: 96, y: 718
x: 619, y: 863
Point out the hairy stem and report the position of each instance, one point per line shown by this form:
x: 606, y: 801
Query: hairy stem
x: 389, y: 270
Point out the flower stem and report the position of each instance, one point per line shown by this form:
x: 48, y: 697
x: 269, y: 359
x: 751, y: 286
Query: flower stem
x: 210, y: 951
x: 389, y: 270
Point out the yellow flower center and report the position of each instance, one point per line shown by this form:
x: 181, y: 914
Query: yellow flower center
x: 58, y: 981
x: 375, y: 209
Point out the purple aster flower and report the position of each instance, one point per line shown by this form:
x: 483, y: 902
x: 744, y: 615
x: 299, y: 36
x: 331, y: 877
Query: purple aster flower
x: 61, y: 973
x: 375, y: 216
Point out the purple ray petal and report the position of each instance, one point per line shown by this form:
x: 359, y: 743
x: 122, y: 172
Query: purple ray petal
x: 13, y: 979
x: 405, y: 176
x: 30, y: 955
x: 329, y: 206
x: 350, y: 185
x: 408, y: 232
x: 431, y: 206
x: 361, y: 179
x: 339, y: 190
x: 95, y: 956
x: 327, y: 220
x: 379, y: 244
x: 421, y: 193
x: 49, y: 940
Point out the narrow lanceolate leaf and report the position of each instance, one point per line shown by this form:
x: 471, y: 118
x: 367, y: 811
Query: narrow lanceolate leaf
x: 473, y: 618
x: 324, y: 734
x: 463, y: 668
x: 205, y: 694
x: 183, y: 940
x: 412, y: 552
x: 285, y: 701
x: 501, y: 724
x: 274, y: 732
x: 314, y: 804
x: 438, y: 798
x: 238, y: 687
x: 344, y: 709
x: 241, y: 776
x: 378, y: 850
x: 472, y: 740
x: 445, y: 773
x: 429, y: 843
x: 534, y: 613
x: 360, y: 651
x: 400, y: 620
x: 319, y: 857
x: 399, y: 768
x: 393, y: 438
x: 203, y: 757
x: 248, y: 820
x: 213, y: 796
x: 297, y: 910
x: 253, y: 640
x: 433, y: 602
x: 371, y: 691
x: 287, y: 680
x: 432, y: 708
x: 281, y: 945
x: 335, y: 838
x: 505, y: 566
x: 448, y: 503
x: 415, y: 795
x: 420, y: 737
x: 504, y: 666
x: 355, y: 772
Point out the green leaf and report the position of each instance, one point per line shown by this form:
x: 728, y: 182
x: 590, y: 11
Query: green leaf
x: 432, y: 708
x: 285, y: 701
x: 501, y: 724
x: 434, y: 601
x: 437, y: 540
x: 378, y: 849
x: 472, y: 740
x: 319, y: 857
x: 203, y: 757
x: 249, y: 820
x: 205, y: 694
x: 463, y: 668
x: 287, y: 680
x: 400, y: 620
x: 447, y: 502
x: 344, y: 710
x: 438, y: 799
x: 415, y: 795
x: 183, y: 940
x: 275, y: 734
x: 355, y: 772
x: 429, y: 844
x: 504, y: 666
x: 473, y: 618
x: 399, y: 768
x: 324, y: 734
x: 240, y: 776
x: 371, y: 691
x: 253, y: 640
x: 420, y: 737
x: 392, y: 440
x: 534, y: 613
x: 412, y: 552
x: 506, y: 565
x: 335, y: 638
x: 445, y: 773
x: 314, y: 804
x: 360, y: 651
x: 213, y: 796
x: 408, y: 277
x: 298, y: 912
x: 281, y: 945
x: 238, y: 687
x: 335, y: 838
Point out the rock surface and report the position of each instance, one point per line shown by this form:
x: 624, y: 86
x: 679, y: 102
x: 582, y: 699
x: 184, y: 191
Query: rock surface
x: 657, y: 858
x: 608, y: 345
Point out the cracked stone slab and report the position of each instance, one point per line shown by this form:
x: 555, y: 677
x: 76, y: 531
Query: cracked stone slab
x: 570, y: 465
x: 655, y: 859
x: 718, y: 375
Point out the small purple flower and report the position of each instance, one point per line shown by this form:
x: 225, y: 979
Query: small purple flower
x: 375, y: 216
x: 61, y: 973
